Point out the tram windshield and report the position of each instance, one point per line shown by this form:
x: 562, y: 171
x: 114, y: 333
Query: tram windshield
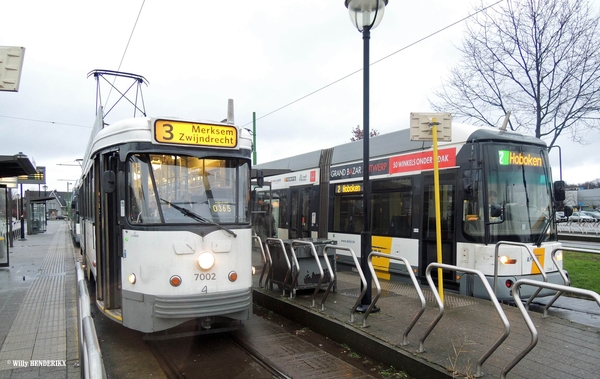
x: 161, y: 185
x: 516, y: 194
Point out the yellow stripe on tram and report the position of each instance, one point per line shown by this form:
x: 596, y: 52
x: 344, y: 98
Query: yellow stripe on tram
x: 382, y: 265
x: 539, y: 253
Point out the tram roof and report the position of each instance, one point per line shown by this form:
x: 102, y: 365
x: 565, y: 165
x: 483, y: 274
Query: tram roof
x: 392, y: 143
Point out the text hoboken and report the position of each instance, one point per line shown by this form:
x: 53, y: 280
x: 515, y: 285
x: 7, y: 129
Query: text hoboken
x: 522, y: 160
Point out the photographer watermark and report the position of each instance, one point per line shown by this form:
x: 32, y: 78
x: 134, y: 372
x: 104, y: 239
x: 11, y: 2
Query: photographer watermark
x: 37, y: 363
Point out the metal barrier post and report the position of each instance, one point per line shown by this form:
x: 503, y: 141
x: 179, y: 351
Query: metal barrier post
x: 287, y: 261
x: 266, y: 266
x: 415, y: 283
x: 321, y: 273
x: 493, y: 299
x: 360, y: 273
x: 529, y: 322
x: 92, y: 365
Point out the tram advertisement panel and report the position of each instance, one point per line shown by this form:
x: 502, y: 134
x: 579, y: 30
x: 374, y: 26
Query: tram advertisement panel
x: 397, y: 164
x: 422, y: 161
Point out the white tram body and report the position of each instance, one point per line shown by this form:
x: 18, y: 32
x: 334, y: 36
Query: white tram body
x: 321, y: 197
x: 165, y: 221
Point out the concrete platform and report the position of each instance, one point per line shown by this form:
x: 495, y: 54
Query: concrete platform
x: 38, y: 307
x: 468, y: 328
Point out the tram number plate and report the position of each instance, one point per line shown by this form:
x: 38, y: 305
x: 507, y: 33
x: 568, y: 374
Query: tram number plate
x: 208, y: 276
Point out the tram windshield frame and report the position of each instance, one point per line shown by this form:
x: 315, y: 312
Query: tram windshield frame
x: 516, y: 192
x: 217, y: 189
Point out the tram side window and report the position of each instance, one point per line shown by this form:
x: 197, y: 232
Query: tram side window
x: 392, y: 208
x: 348, y: 214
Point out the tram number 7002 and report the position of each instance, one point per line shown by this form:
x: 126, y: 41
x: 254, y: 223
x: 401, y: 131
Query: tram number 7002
x: 208, y: 276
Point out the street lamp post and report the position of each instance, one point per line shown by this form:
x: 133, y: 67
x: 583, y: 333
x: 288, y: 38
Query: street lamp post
x: 366, y: 15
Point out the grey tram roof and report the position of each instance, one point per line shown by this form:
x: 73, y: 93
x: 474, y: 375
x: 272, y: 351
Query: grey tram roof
x: 380, y: 145
x: 389, y: 144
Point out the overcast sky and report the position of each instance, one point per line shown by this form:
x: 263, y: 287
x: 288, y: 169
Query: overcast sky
x: 264, y: 54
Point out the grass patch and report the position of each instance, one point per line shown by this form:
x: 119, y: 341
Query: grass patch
x: 584, y: 270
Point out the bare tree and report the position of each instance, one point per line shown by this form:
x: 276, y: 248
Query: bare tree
x: 357, y: 133
x: 538, y: 59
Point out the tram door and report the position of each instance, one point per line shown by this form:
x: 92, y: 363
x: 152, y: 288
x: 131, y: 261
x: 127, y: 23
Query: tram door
x: 428, y: 242
x: 300, y: 212
x: 108, y: 234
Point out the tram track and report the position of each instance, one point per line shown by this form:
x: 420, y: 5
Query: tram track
x: 213, y: 356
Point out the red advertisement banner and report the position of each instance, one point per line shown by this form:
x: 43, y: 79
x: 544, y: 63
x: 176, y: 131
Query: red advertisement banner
x: 422, y: 161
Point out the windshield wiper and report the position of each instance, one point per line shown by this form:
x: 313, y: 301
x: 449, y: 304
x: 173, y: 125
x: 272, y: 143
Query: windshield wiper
x: 197, y: 217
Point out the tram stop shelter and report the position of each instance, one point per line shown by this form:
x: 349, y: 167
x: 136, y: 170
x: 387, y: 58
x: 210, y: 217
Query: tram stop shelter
x: 10, y: 166
x: 36, y: 215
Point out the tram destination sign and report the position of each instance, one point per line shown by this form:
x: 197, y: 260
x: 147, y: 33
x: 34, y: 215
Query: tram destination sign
x: 197, y: 134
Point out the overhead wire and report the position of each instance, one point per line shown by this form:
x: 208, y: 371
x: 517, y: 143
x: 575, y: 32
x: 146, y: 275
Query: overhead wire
x: 299, y: 99
x: 46, y: 122
x: 377, y: 61
x: 118, y: 69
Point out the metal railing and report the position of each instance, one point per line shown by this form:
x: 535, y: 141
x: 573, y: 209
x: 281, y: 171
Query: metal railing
x: 279, y: 241
x: 92, y: 365
x: 321, y: 273
x: 378, y: 286
x: 577, y: 227
x: 562, y: 273
x: 363, y: 280
x: 267, y: 266
x: 529, y: 322
x: 493, y: 299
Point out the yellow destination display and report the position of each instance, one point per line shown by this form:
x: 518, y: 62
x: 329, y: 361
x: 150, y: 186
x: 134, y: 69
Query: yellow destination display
x: 190, y: 133
x: 348, y: 188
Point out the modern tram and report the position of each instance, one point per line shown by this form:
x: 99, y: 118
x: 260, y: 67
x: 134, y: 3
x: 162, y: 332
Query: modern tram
x: 165, y: 221
x: 495, y: 186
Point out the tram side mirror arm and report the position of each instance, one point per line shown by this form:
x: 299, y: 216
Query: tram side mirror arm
x: 108, y: 181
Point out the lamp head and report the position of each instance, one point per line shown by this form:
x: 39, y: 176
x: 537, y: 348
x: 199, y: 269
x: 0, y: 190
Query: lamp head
x: 366, y: 13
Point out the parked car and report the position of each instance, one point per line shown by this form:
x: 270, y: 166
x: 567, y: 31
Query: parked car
x: 594, y: 214
x: 581, y: 217
x: 560, y: 216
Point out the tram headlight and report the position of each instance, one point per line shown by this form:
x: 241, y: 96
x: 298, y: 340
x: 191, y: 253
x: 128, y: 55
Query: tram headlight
x: 507, y: 261
x: 206, y: 261
x: 558, y: 255
x: 132, y: 278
